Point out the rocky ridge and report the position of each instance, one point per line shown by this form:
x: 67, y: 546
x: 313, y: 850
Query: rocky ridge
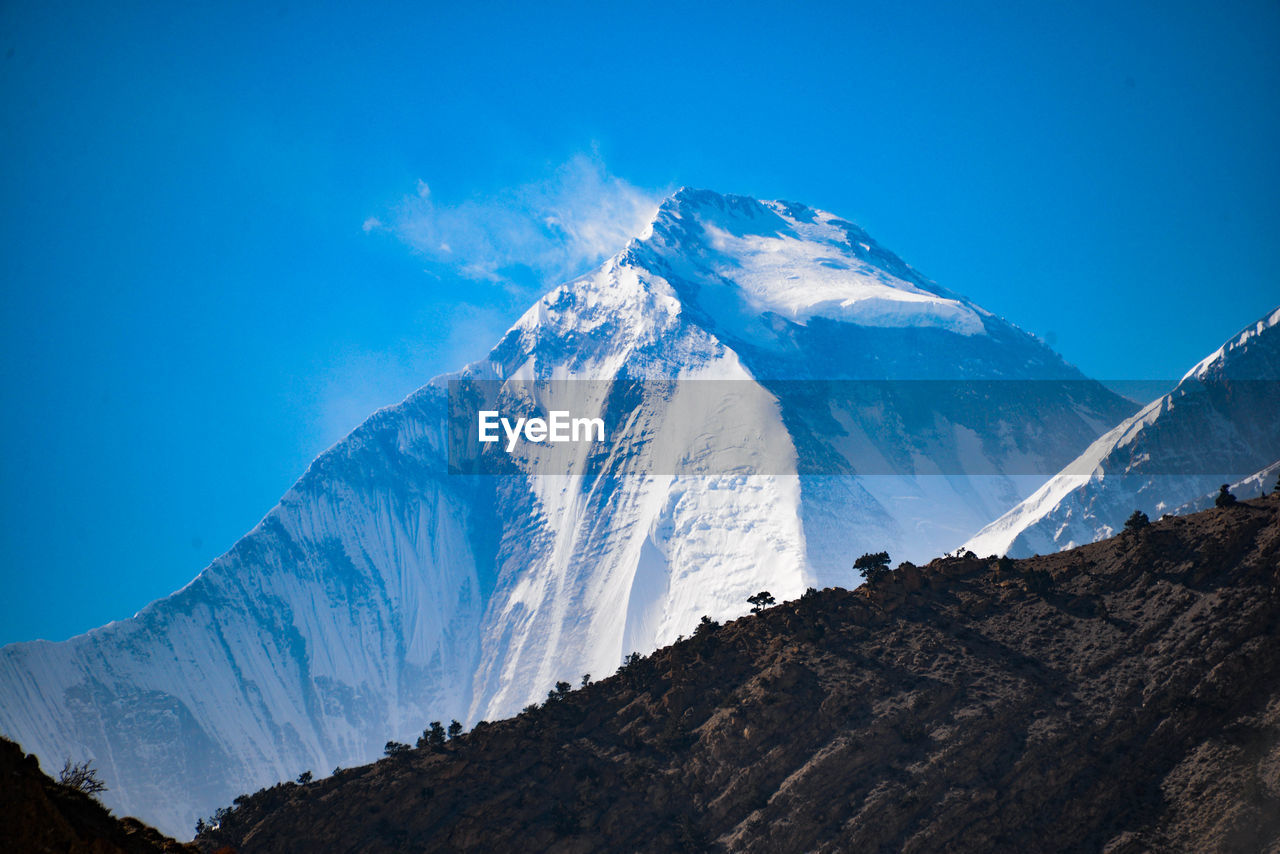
x: 1119, y: 697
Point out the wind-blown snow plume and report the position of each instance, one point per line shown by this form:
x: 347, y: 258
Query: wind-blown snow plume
x: 552, y: 229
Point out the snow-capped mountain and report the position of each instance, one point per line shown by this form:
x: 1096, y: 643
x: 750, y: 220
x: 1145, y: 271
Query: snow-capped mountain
x: 384, y: 591
x: 1217, y: 426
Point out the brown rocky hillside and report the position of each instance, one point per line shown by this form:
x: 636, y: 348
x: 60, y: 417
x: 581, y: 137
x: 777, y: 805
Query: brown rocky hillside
x: 40, y: 816
x: 1120, y: 697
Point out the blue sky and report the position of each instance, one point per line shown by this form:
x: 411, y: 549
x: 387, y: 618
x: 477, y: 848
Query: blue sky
x: 222, y: 222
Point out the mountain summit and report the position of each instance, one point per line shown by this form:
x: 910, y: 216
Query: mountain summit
x: 384, y: 591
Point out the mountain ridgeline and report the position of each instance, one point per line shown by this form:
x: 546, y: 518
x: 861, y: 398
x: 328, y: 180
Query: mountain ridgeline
x: 1123, y: 697
x: 383, y: 590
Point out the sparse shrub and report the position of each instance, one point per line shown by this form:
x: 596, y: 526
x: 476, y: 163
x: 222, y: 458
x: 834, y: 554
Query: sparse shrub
x: 705, y: 626
x: 81, y: 776
x: 455, y: 729
x: 586, y: 679
x: 394, y: 748
x: 760, y: 601
x: 304, y: 778
x: 1136, y: 522
x: 529, y: 709
x: 873, y: 566
x: 1225, y: 498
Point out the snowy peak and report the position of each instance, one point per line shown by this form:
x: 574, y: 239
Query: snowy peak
x: 385, y: 591
x: 753, y: 258
x: 1216, y: 426
x: 1247, y: 356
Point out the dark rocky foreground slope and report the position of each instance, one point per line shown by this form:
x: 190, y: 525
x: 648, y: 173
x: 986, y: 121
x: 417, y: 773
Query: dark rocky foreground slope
x: 1124, y: 697
x: 38, y: 815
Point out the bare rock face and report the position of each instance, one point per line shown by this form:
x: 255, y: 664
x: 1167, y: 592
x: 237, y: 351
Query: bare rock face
x: 39, y: 815
x: 1123, y: 696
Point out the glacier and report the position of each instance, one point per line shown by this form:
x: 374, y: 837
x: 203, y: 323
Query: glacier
x: 383, y: 591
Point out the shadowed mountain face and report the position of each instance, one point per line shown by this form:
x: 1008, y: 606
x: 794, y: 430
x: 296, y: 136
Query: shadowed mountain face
x: 384, y: 591
x: 1120, y: 697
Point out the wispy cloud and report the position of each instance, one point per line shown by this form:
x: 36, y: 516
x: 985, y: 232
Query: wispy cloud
x: 522, y: 240
x: 531, y: 236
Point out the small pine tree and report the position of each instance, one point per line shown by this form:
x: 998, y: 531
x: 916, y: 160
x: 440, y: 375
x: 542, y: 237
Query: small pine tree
x: 873, y: 566
x: 705, y: 625
x: 394, y: 748
x: 1136, y: 522
x: 760, y: 601
x: 304, y: 778
x: 455, y: 729
x: 586, y: 679
x: 1225, y: 498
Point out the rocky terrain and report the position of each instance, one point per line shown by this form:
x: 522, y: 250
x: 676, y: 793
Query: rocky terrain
x: 38, y: 815
x: 1122, y: 697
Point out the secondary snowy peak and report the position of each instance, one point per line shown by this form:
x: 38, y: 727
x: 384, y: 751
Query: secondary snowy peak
x: 754, y: 258
x: 1247, y: 356
x: 1216, y: 426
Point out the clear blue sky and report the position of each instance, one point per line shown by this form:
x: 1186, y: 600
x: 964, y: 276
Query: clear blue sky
x: 217, y: 256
